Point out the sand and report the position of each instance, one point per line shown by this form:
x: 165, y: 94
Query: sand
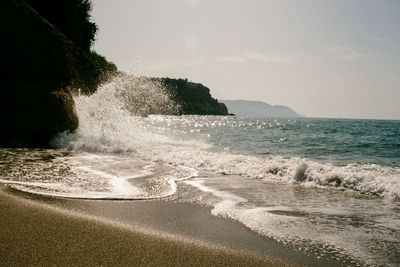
x: 36, y: 234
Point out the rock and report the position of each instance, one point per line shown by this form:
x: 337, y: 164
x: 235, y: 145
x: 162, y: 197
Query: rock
x: 39, y: 66
x: 194, y: 98
x: 64, y: 116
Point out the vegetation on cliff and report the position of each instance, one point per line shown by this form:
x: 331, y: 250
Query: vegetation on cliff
x: 46, y: 56
x: 143, y: 96
x: 40, y: 67
x: 193, y: 98
x: 72, y: 18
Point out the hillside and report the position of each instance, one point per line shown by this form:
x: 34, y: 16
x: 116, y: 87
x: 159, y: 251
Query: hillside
x: 46, y: 56
x: 193, y: 98
x: 258, y: 108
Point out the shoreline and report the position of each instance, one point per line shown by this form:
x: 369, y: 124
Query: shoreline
x: 34, y: 233
x: 62, y: 231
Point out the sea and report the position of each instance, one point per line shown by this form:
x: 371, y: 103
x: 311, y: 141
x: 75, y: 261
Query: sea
x: 327, y: 187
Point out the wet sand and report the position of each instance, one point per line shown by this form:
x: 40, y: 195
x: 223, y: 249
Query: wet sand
x: 39, y: 234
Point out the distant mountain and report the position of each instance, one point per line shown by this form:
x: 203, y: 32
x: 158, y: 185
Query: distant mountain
x: 258, y: 108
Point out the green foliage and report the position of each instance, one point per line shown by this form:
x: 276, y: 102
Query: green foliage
x: 194, y: 98
x: 40, y: 64
x: 71, y: 17
x: 106, y: 69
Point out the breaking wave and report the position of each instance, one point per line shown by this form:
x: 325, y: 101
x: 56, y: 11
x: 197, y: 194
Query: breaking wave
x: 109, y: 123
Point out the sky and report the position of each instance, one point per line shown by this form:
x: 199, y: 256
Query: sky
x: 322, y: 58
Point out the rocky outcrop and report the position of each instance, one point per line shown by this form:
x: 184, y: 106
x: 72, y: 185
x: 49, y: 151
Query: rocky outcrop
x: 40, y: 67
x: 193, y: 98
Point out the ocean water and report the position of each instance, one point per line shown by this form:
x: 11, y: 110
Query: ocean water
x: 327, y: 187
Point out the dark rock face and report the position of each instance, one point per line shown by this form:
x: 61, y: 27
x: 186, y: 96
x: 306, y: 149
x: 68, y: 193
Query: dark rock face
x: 63, y: 105
x: 71, y: 17
x: 39, y: 66
x: 193, y: 98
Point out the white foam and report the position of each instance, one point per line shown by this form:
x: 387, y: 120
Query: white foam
x: 229, y: 205
x: 109, y: 125
x: 314, y: 222
x: 120, y: 185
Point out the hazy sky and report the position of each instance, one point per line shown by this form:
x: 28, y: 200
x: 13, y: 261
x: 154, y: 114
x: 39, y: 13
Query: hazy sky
x: 323, y: 58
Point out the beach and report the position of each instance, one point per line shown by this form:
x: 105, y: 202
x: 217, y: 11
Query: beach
x: 200, y: 133
x: 175, y: 194
x: 37, y: 234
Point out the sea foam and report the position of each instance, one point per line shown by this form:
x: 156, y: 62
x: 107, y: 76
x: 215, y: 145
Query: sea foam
x: 109, y: 124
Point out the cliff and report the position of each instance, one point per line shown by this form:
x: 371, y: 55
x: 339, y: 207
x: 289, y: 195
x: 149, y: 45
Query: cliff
x: 40, y: 68
x: 46, y: 56
x: 193, y: 98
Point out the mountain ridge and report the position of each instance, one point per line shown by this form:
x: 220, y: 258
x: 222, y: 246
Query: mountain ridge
x: 258, y: 108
